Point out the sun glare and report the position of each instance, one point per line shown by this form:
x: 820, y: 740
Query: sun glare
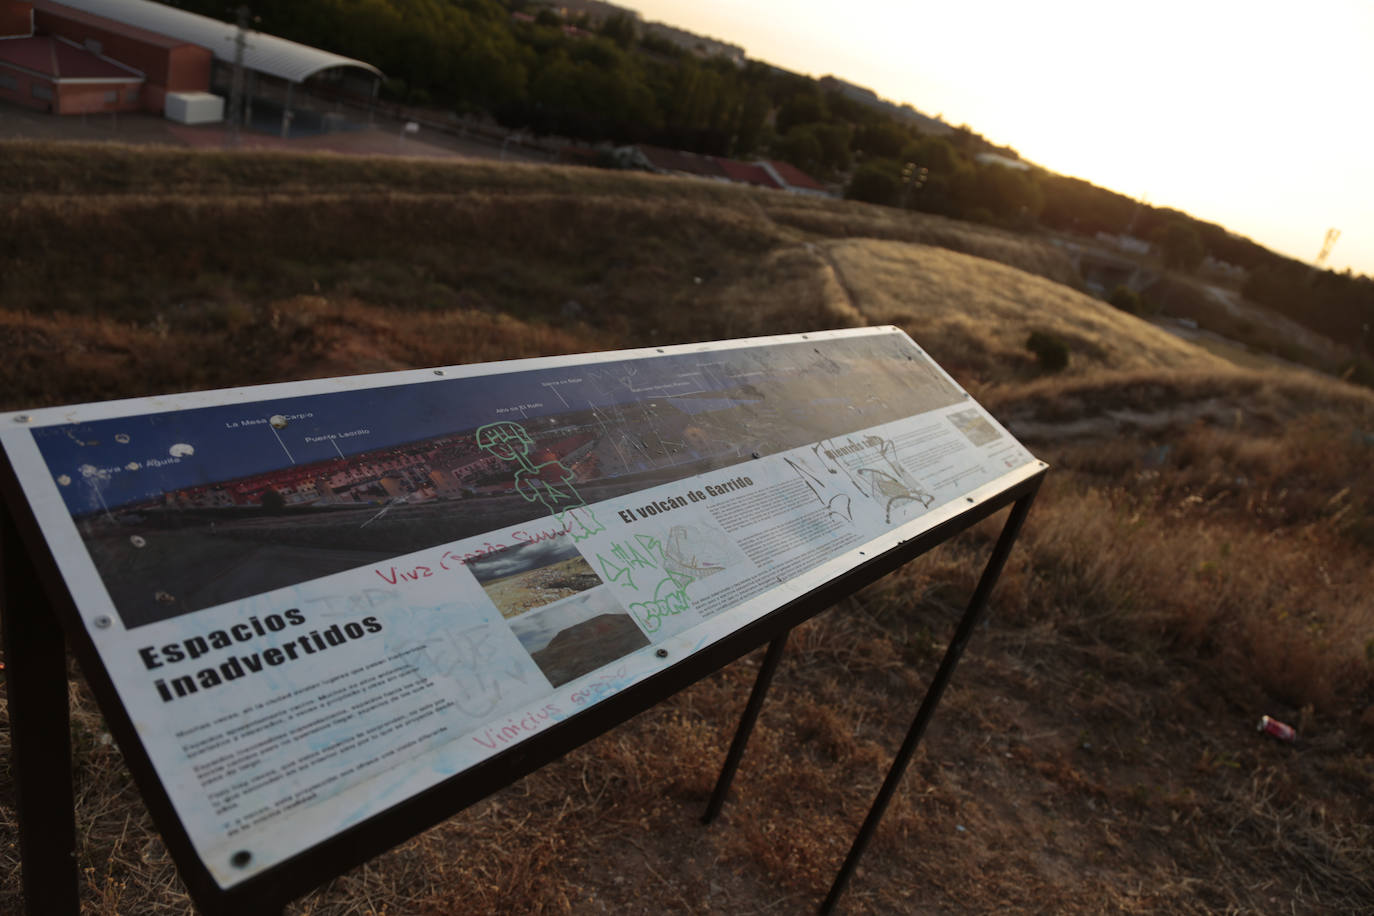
x: 1237, y: 113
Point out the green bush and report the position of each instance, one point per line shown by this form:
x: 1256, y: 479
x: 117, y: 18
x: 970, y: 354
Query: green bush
x: 1124, y: 298
x: 875, y: 182
x: 1360, y: 371
x: 1052, y: 352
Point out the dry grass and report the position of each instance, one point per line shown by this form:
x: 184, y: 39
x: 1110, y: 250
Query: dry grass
x: 1273, y: 609
x: 975, y: 317
x: 135, y: 254
x: 1200, y: 556
x: 67, y: 358
x: 1278, y: 451
x: 854, y: 220
x: 140, y: 227
x: 1260, y: 331
x: 1246, y: 510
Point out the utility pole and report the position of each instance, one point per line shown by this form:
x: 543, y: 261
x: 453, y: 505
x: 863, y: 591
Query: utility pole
x: 1135, y: 214
x: 236, y: 83
x: 913, y: 179
x: 1327, y: 244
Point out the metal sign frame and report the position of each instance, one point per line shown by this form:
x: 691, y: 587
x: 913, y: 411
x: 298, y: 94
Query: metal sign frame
x: 39, y: 606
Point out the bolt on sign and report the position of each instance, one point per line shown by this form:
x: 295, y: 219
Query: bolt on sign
x: 308, y: 605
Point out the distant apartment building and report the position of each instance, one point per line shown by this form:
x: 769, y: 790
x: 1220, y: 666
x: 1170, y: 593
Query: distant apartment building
x: 1127, y: 243
x: 1225, y: 270
x: 865, y: 96
x: 699, y: 45
x: 597, y: 11
x: 1005, y: 162
x: 861, y: 94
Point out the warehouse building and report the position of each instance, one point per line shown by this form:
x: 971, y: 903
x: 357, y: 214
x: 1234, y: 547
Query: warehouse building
x: 83, y: 56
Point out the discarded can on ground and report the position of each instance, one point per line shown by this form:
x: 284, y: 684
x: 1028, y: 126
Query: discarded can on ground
x: 1278, y: 729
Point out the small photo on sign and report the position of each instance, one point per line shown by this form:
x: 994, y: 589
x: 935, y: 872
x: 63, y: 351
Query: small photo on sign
x: 577, y: 636
x: 974, y: 426
x: 529, y: 576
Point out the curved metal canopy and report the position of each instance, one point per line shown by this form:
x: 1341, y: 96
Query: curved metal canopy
x: 263, y: 53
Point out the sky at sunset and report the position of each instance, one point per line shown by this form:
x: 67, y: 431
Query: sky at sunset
x: 1255, y: 115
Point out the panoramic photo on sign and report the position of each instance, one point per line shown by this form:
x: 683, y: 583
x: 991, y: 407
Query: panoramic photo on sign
x: 317, y: 600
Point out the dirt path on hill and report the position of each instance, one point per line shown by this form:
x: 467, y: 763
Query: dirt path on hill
x: 1103, y: 422
x: 841, y: 294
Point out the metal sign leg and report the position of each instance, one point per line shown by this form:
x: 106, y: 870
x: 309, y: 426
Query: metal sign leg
x: 746, y: 726
x: 977, y: 603
x: 36, y: 675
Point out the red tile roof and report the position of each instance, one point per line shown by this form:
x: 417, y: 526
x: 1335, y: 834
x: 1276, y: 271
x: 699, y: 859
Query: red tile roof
x: 670, y: 160
x: 78, y: 63
x: 33, y: 54
x: 55, y: 59
x: 748, y: 173
x: 795, y: 176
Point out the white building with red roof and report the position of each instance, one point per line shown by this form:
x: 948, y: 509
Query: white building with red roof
x: 791, y: 178
x: 749, y: 173
x: 772, y: 174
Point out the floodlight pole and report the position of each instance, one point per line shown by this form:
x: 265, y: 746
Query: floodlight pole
x: 287, y: 115
x: 236, y: 83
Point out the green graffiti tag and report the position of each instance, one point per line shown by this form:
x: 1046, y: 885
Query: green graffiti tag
x: 669, y: 594
x: 549, y: 482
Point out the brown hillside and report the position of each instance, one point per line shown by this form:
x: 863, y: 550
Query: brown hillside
x: 1201, y: 554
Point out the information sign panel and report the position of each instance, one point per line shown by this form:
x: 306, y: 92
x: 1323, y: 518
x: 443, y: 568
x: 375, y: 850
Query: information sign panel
x: 316, y: 601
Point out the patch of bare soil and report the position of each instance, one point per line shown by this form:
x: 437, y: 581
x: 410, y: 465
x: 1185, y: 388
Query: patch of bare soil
x: 586, y: 646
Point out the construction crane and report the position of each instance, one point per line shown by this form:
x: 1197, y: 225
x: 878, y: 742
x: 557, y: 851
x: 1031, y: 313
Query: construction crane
x: 1327, y: 244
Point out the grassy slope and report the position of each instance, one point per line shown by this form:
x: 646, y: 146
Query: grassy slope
x: 1201, y: 554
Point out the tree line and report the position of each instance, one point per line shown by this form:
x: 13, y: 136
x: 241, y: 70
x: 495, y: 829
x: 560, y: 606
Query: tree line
x: 525, y: 66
